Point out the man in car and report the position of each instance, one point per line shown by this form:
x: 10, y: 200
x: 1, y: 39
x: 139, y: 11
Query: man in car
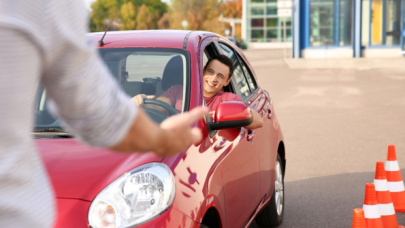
x: 217, y: 74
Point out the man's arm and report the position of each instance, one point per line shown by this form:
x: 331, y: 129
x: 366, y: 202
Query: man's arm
x: 257, y: 121
x: 172, y: 136
x: 138, y: 100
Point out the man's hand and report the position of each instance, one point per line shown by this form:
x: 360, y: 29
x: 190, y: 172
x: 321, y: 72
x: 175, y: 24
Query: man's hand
x: 178, y: 132
x: 174, y: 135
x: 138, y: 99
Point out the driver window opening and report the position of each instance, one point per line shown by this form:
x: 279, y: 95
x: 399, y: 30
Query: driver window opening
x: 157, y: 72
x: 209, y: 52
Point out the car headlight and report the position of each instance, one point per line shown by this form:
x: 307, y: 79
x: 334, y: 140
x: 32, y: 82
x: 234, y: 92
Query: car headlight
x: 134, y: 198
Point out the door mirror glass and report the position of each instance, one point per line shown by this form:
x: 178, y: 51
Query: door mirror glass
x: 231, y: 114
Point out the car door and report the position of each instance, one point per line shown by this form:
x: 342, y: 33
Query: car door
x: 239, y: 162
x: 266, y: 136
x: 265, y: 139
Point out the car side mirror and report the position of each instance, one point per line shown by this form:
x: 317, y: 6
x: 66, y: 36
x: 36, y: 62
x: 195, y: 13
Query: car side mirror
x: 231, y: 114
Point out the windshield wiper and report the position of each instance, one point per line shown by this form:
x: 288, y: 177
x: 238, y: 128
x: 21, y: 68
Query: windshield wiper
x: 49, y: 130
x: 50, y: 133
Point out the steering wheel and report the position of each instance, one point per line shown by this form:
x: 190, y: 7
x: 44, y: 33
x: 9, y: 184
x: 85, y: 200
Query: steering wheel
x: 169, y: 108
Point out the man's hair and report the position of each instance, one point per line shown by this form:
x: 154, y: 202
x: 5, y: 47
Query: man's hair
x: 224, y: 60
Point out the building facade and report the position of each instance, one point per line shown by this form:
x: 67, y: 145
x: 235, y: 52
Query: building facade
x: 348, y: 28
x: 263, y: 27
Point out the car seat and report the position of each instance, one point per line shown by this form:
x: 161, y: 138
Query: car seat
x: 172, y: 75
x: 132, y: 88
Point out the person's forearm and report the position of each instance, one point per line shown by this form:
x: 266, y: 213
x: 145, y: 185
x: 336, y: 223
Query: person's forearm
x: 257, y: 121
x: 143, y: 136
x: 175, y: 134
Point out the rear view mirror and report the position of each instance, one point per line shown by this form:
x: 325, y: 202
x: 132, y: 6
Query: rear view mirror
x: 231, y: 114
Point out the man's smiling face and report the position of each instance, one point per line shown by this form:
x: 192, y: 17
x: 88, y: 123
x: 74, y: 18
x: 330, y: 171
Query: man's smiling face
x: 216, y: 76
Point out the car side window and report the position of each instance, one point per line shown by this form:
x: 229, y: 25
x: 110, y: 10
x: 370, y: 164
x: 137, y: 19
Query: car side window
x: 248, y: 74
x: 205, y: 59
x: 238, y: 76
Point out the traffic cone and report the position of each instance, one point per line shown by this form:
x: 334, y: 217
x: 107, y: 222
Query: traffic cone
x: 394, y: 179
x: 370, y: 207
x: 384, y: 200
x: 358, y: 219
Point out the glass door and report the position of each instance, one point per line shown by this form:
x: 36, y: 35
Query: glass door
x: 385, y: 22
x: 330, y: 23
x: 321, y: 22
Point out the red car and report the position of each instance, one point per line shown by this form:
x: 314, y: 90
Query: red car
x: 230, y: 178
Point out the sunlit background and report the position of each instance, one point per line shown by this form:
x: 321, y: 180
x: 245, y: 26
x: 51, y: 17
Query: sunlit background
x: 307, y: 28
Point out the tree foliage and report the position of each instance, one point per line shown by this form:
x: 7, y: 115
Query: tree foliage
x: 144, y: 19
x: 164, y: 22
x: 232, y: 9
x: 127, y: 14
x: 200, y: 15
x: 127, y: 17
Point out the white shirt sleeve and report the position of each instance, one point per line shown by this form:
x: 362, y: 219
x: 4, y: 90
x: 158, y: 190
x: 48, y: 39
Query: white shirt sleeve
x: 85, y: 96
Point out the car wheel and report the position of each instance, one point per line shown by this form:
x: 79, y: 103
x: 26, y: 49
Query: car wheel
x: 272, y: 214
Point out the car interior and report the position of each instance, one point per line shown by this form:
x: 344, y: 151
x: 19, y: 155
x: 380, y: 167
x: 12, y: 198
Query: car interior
x: 141, y: 72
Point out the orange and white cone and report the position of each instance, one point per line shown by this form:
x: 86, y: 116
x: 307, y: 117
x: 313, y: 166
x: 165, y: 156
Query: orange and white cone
x: 394, y: 179
x: 384, y: 200
x: 358, y: 218
x: 370, y: 207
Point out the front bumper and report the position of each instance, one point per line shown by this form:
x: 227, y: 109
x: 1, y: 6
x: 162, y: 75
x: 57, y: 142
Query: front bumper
x: 73, y: 213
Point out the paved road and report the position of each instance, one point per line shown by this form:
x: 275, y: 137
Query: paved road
x: 337, y: 124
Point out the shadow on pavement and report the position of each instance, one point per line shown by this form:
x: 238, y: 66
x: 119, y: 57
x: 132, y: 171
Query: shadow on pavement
x: 325, y: 201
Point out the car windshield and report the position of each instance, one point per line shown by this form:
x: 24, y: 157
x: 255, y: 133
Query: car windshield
x: 150, y: 71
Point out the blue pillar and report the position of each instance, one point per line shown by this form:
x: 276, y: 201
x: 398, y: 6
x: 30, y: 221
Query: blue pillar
x: 357, y: 28
x: 296, y: 29
x: 402, y: 25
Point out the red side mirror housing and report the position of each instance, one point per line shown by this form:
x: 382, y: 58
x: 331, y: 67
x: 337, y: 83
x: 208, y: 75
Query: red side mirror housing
x: 231, y: 114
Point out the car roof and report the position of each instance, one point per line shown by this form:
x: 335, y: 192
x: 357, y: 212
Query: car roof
x: 149, y: 38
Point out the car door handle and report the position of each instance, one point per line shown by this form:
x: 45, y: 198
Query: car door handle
x: 269, y: 114
x: 250, y: 136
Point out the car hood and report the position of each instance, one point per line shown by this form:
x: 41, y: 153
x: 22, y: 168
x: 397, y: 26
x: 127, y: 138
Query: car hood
x: 81, y: 172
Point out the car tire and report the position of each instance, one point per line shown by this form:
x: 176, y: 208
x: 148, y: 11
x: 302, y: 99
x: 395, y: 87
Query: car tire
x: 203, y: 226
x: 272, y: 214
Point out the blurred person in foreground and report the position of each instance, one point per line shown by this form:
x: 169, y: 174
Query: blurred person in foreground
x: 45, y: 42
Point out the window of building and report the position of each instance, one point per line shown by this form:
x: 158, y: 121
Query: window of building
x: 271, y: 10
x: 257, y: 23
x: 330, y: 24
x: 381, y: 23
x: 321, y: 23
x: 265, y: 25
x: 257, y: 35
x: 345, y: 21
x: 385, y: 22
x: 365, y: 22
x: 257, y: 10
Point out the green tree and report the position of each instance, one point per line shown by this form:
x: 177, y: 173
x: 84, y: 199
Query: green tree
x: 103, y: 10
x: 232, y: 9
x: 144, y: 19
x: 200, y: 15
x: 127, y: 15
x: 164, y: 21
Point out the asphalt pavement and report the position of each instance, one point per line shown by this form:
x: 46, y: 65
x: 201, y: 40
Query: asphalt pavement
x: 337, y: 123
